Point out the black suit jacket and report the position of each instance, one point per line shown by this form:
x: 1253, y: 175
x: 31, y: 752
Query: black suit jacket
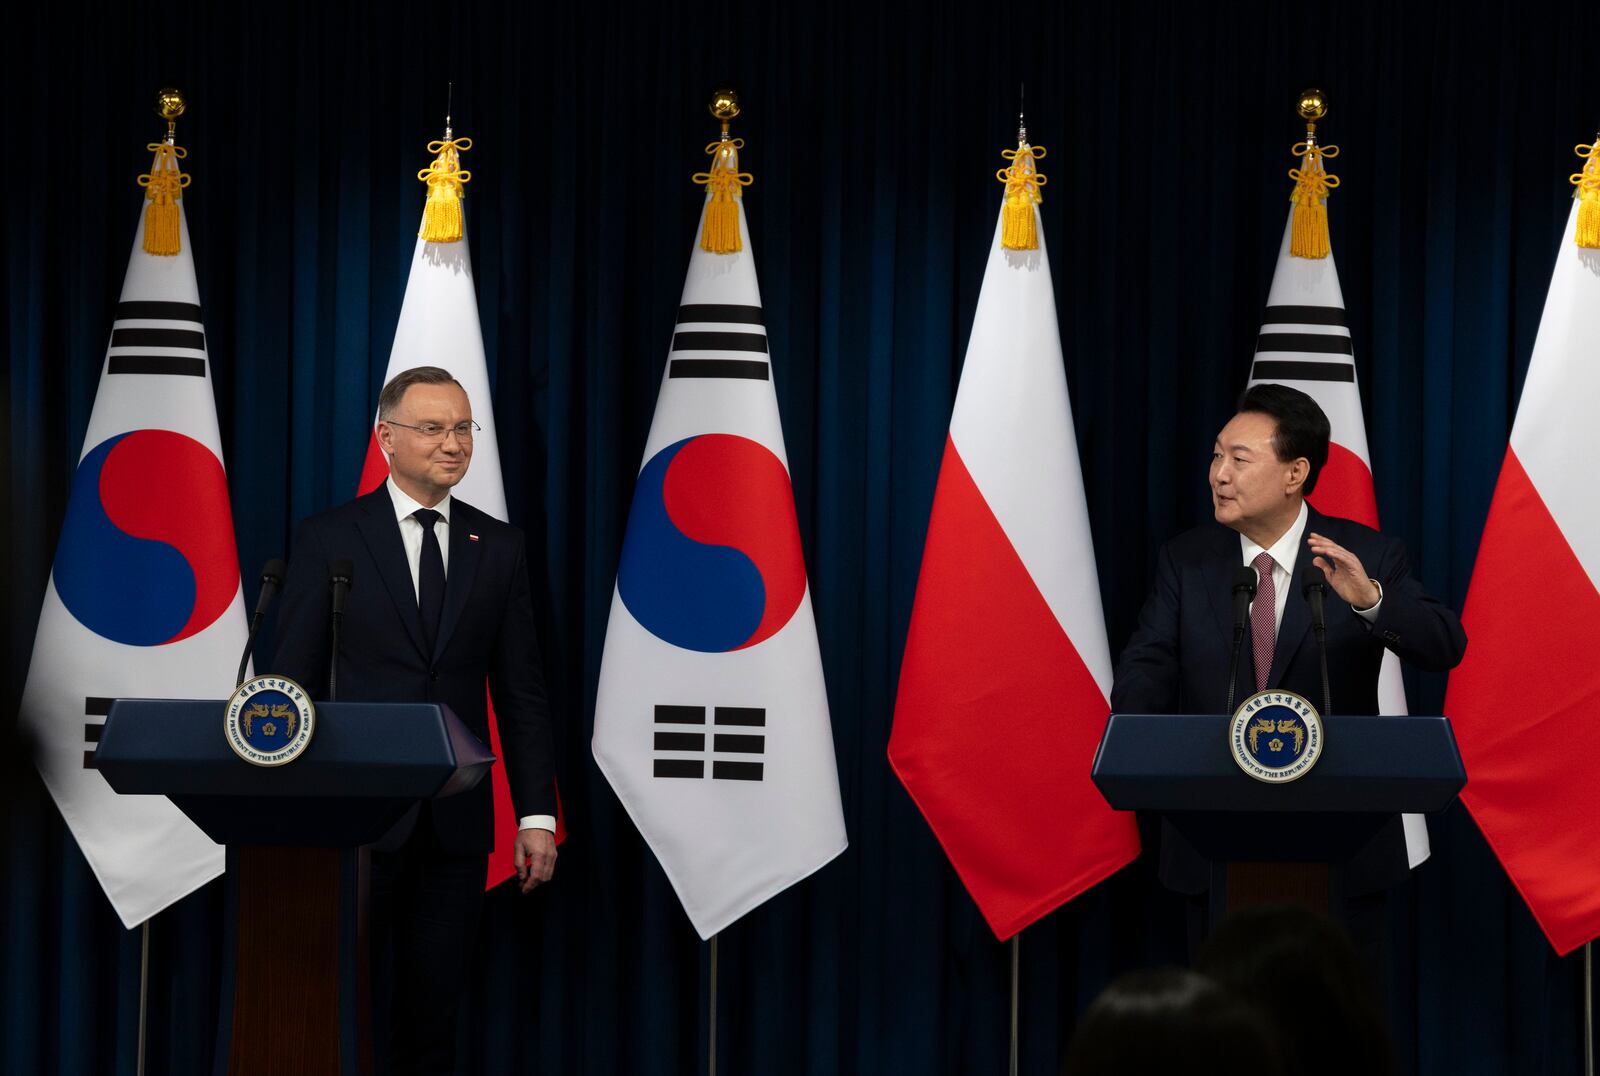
x: 486, y: 633
x: 1177, y: 660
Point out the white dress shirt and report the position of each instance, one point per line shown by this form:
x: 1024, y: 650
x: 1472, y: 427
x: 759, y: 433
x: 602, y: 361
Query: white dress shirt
x: 411, y: 538
x: 1284, y: 552
x: 411, y: 531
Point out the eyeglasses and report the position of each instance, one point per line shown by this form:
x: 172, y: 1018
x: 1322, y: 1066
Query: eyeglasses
x: 434, y: 434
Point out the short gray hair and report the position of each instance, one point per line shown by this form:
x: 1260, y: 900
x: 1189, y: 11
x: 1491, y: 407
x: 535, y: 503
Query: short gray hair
x: 395, y: 390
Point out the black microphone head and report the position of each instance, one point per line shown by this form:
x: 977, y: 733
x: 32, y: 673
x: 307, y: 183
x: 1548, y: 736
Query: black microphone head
x: 342, y: 571
x: 1245, y: 579
x: 273, y: 571
x: 1312, y: 586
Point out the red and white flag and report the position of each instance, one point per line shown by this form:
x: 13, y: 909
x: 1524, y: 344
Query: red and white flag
x: 1003, y: 688
x: 1305, y: 343
x: 438, y: 326
x: 1523, y: 701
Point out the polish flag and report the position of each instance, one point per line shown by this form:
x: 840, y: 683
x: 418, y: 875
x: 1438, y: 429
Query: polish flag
x: 1523, y: 701
x: 1003, y: 688
x: 439, y: 326
x: 1305, y: 344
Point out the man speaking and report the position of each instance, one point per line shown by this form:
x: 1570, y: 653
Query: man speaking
x: 439, y: 602
x: 1263, y: 466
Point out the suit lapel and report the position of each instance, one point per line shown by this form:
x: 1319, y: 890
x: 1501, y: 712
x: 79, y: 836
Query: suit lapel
x: 1296, y: 613
x: 465, y: 547
x: 381, y: 531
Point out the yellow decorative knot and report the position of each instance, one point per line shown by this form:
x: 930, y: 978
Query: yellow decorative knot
x: 1587, y: 183
x: 442, y: 221
x: 723, y: 184
x: 1309, y: 235
x: 1019, y: 228
x: 163, y: 186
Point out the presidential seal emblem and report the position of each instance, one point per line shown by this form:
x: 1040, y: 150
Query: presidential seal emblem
x: 269, y: 721
x: 1276, y: 736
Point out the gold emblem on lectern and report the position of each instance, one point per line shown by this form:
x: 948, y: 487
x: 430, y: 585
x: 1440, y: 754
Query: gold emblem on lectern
x: 269, y: 721
x: 1276, y: 736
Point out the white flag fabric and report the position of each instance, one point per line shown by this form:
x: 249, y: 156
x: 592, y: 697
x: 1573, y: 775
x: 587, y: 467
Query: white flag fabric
x: 1305, y: 343
x: 144, y: 599
x: 711, y: 721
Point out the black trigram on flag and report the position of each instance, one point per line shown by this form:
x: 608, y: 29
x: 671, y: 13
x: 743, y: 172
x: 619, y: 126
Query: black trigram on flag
x: 157, y: 338
x: 730, y: 334
x: 1304, y: 343
x: 747, y: 745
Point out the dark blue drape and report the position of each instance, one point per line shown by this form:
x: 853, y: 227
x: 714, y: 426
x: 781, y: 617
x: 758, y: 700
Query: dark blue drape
x: 873, y: 133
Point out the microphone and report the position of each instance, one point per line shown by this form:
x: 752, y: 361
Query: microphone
x: 1314, y: 591
x: 1244, y: 592
x: 340, y: 581
x: 271, y: 579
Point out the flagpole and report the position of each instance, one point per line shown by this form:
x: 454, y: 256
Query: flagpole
x: 1016, y: 992
x: 711, y: 1041
x: 1588, y: 1008
x: 144, y: 988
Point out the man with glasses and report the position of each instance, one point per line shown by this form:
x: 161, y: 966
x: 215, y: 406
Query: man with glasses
x: 440, y: 603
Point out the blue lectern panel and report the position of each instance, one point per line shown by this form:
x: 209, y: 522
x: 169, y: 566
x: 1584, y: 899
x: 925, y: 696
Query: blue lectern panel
x: 1369, y: 765
x: 367, y: 763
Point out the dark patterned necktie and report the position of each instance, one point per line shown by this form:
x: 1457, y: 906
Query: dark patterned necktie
x: 1263, y: 614
x: 430, y: 577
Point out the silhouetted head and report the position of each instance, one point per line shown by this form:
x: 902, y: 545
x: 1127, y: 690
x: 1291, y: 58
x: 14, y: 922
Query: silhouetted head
x: 1171, y: 1021
x: 1302, y: 971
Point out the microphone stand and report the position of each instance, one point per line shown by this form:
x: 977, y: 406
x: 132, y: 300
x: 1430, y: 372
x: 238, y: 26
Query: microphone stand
x: 1314, y: 591
x: 271, y: 580
x: 1244, y: 592
x: 340, y: 582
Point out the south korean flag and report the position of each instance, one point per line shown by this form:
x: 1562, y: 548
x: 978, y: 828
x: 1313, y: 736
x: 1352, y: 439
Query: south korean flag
x: 711, y: 721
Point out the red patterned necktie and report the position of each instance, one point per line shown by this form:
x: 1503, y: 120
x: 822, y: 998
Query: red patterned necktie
x: 1263, y: 614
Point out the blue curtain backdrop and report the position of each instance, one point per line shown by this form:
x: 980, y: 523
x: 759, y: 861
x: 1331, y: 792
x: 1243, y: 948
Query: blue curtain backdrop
x: 873, y: 133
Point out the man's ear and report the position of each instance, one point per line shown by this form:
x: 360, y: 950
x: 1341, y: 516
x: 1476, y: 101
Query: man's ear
x: 385, y: 437
x: 1299, y: 471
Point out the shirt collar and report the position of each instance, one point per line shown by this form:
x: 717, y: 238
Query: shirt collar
x: 1286, y: 550
x: 404, y: 505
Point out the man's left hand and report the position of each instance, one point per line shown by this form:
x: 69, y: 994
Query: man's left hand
x: 535, y: 857
x: 1345, y: 574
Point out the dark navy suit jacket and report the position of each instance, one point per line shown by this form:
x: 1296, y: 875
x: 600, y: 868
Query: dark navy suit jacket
x: 1177, y: 660
x: 486, y: 633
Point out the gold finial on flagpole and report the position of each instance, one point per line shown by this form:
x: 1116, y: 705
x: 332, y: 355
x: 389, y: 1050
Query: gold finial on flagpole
x: 1308, y: 236
x: 1313, y: 106
x: 724, y: 183
x: 163, y: 184
x: 725, y: 107
x: 170, y: 104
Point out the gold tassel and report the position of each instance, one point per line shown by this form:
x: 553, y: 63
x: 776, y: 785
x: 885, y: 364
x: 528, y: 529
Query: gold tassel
x: 1588, y: 195
x: 1019, y: 224
x: 442, y: 221
x: 724, y: 186
x: 1308, y: 237
x: 163, y: 186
